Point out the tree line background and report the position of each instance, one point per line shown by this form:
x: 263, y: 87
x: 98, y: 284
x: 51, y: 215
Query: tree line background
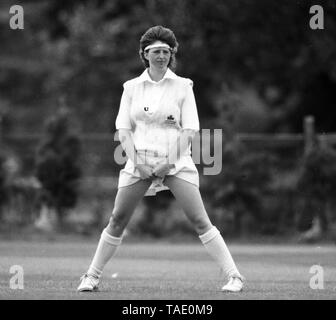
x: 257, y: 67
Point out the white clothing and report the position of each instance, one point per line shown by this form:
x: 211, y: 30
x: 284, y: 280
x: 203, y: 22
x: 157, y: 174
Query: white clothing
x: 157, y: 113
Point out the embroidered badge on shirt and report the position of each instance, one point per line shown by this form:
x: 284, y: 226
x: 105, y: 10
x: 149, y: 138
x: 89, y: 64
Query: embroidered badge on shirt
x: 170, y: 120
x: 149, y: 111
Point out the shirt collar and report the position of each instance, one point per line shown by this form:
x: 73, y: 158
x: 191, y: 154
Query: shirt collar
x: 145, y: 76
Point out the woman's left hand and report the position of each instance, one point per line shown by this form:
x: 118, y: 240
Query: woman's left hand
x: 161, y: 170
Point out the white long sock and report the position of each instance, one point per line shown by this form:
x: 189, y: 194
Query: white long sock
x: 106, y: 248
x: 215, y: 245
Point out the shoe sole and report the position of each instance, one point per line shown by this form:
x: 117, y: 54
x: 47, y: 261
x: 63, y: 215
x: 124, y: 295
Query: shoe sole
x: 230, y: 291
x: 88, y: 290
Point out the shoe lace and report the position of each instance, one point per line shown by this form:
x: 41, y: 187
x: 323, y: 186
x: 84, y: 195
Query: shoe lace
x: 238, y: 276
x: 236, y: 281
x: 89, y: 277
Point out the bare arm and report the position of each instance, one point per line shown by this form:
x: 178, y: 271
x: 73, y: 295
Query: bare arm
x: 127, y: 144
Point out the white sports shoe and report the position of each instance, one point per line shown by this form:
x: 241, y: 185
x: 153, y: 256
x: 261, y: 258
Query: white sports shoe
x: 88, y: 283
x: 235, y: 284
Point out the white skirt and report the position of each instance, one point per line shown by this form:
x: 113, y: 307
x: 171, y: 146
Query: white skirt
x: 184, y: 169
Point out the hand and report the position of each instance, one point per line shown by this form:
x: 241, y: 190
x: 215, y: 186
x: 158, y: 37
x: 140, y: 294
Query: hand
x: 146, y: 172
x: 162, y: 169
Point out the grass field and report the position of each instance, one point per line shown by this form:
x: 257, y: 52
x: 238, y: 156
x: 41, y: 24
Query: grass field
x: 165, y: 271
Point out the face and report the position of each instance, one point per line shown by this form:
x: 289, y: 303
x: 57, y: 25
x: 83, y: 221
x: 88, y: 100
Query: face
x: 158, y: 57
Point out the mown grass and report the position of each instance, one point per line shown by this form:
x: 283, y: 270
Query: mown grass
x: 165, y: 271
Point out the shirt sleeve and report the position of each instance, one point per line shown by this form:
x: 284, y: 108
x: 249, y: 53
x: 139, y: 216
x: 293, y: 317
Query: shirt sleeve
x: 123, y: 120
x: 189, y: 115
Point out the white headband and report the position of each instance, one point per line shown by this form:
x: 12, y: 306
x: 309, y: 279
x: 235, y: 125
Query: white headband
x: 157, y: 45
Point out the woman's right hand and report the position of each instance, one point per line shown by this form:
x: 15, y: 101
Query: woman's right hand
x: 146, y: 172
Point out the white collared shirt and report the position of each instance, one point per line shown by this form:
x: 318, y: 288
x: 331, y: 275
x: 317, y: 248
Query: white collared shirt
x: 157, y: 112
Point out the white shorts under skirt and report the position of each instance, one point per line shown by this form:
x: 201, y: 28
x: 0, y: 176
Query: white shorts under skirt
x: 184, y: 169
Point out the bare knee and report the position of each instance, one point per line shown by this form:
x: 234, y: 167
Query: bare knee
x: 117, y: 223
x: 202, y: 225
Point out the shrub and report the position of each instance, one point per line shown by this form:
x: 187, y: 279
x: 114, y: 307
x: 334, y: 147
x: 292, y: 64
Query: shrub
x: 317, y: 182
x: 3, y: 188
x: 318, y: 175
x: 57, y: 164
x: 241, y: 186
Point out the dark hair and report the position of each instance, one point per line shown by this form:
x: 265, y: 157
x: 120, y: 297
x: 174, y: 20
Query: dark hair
x: 159, y: 33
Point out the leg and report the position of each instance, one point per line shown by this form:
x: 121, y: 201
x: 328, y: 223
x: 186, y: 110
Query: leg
x: 189, y: 198
x: 126, y: 200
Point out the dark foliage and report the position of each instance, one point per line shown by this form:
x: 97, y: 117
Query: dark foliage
x: 241, y: 187
x: 3, y: 182
x: 318, y: 175
x: 57, y: 164
x: 86, y: 49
